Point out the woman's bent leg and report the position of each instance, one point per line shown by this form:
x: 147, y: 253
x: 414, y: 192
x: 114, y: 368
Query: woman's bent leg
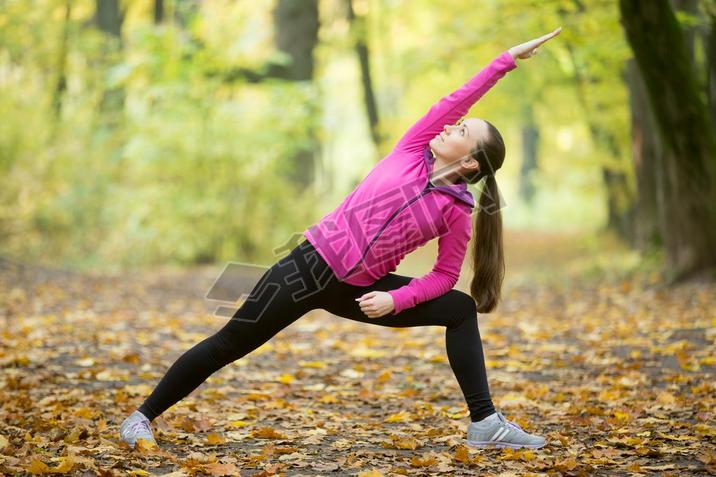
x: 455, y: 310
x: 287, y: 291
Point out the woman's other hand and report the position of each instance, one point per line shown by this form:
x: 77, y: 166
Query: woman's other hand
x: 529, y: 48
x: 376, y: 304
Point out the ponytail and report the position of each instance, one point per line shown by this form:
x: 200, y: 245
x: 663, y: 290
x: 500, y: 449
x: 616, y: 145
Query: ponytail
x: 487, y: 252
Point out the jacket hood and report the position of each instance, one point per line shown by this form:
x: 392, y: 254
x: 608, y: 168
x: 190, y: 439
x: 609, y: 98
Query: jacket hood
x: 459, y: 190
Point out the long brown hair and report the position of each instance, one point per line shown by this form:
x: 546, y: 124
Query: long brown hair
x: 488, y: 256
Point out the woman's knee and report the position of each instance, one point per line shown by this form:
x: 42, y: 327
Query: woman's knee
x: 464, y: 306
x: 222, y: 347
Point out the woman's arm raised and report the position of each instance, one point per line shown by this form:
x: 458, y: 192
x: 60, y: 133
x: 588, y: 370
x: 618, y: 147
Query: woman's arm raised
x: 450, y: 108
x: 454, y: 106
x: 530, y: 48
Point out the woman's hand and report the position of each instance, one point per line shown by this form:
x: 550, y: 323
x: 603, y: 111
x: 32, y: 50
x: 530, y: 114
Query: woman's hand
x: 529, y: 48
x: 376, y: 304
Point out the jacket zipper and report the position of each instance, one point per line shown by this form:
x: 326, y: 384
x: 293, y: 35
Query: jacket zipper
x: 428, y: 187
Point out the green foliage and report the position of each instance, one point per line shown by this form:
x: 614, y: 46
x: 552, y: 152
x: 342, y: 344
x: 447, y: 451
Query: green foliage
x: 194, y: 171
x: 157, y: 156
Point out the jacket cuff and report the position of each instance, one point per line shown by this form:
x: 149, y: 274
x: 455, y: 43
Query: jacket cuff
x: 398, y: 300
x: 507, y: 61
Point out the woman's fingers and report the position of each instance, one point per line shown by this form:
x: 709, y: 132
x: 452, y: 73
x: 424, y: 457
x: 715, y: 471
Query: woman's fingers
x: 539, y: 41
x: 530, y: 48
x: 550, y: 35
x: 367, y: 306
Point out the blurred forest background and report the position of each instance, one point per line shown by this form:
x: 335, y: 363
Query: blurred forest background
x: 145, y: 143
x: 144, y: 132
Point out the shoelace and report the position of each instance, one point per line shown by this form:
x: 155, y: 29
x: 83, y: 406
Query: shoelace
x: 510, y: 423
x: 140, y: 425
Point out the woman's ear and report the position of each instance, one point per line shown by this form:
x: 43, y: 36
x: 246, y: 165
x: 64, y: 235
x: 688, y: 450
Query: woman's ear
x: 470, y: 164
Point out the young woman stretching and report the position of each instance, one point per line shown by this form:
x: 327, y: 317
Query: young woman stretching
x: 414, y: 194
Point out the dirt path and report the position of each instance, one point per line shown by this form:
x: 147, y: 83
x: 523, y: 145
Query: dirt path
x: 615, y: 370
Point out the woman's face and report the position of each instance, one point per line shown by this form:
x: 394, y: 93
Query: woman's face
x: 456, y: 141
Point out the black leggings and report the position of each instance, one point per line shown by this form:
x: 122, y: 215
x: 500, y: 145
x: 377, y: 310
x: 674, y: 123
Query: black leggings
x: 303, y: 281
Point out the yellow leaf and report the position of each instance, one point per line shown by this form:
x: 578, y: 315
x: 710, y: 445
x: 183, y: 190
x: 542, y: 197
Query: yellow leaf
x: 371, y: 473
x: 215, y: 439
x: 146, y: 446
x: 528, y: 455
x: 607, y: 395
x: 257, y: 397
x: 218, y: 469
x: 402, y: 416
x: 312, y: 364
x: 329, y: 399
x: 37, y: 467
x: 622, y: 416
x: 85, y: 413
x: 267, y: 433
x: 674, y: 438
x: 666, y: 397
x: 286, y: 378
x: 399, y: 442
x: 239, y: 423
x: 64, y: 466
x: 138, y: 472
x: 461, y: 454
x: 416, y: 461
x: 567, y: 464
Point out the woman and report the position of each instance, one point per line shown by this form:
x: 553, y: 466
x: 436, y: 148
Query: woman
x: 417, y: 192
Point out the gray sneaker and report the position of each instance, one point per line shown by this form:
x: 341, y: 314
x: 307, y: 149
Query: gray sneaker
x: 135, y: 427
x: 497, y: 431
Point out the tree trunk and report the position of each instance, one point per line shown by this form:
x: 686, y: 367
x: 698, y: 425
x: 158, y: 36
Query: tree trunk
x: 646, y: 153
x: 692, y: 8
x: 711, y: 66
x: 108, y: 19
x: 530, y: 145
x: 158, y: 11
x: 689, y: 220
x: 620, y: 200
x: 358, y: 30
x: 61, y: 82
x: 296, y: 34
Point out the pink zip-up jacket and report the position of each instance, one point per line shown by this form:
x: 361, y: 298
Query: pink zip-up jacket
x: 396, y: 208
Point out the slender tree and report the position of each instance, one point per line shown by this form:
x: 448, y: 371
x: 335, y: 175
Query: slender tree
x: 360, y: 42
x: 61, y: 82
x: 108, y: 19
x: 158, y: 11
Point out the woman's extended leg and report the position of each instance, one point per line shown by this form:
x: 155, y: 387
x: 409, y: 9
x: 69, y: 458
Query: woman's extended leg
x: 287, y: 291
x: 455, y: 310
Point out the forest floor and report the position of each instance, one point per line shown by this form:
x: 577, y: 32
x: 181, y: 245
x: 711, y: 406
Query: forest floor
x: 588, y: 348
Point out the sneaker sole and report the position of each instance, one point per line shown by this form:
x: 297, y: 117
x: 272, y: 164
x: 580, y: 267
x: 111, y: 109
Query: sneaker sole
x: 492, y: 444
